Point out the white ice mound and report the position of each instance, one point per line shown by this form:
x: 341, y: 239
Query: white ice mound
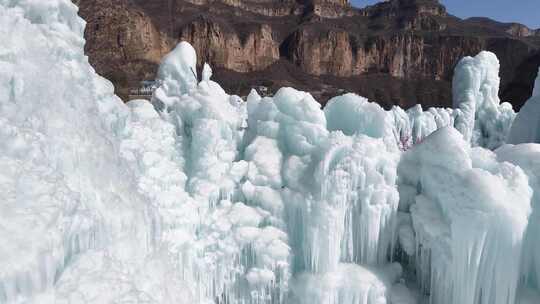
x: 482, y: 119
x: 353, y: 114
x: 526, y: 126
x: 470, y: 213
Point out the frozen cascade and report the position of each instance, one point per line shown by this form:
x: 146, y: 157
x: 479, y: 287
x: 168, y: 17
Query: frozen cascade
x: 360, y: 173
x: 361, y: 178
x: 325, y: 223
x: 270, y: 125
x: 207, y: 120
x: 244, y: 252
x: 470, y: 214
x: 201, y: 197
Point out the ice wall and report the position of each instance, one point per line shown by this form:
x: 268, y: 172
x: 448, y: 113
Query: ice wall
x: 65, y: 189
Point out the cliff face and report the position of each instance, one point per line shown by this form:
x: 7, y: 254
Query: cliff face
x: 383, y: 52
x: 255, y: 51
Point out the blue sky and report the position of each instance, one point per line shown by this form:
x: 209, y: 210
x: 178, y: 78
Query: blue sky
x: 522, y: 11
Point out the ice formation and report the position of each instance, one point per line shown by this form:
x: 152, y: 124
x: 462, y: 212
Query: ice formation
x: 536, y: 88
x: 527, y: 156
x: 201, y: 197
x: 470, y: 213
x: 482, y: 119
x: 478, y: 113
x: 526, y: 127
x: 65, y: 192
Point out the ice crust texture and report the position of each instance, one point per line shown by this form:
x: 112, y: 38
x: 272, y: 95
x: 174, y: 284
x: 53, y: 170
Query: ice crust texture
x: 202, y: 197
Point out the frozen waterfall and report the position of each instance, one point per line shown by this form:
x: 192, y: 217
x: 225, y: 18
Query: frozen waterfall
x: 201, y: 197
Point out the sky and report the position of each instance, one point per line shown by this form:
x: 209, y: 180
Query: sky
x: 521, y: 11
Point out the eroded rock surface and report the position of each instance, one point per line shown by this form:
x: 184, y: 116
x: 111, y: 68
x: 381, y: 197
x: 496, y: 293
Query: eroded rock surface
x: 395, y: 52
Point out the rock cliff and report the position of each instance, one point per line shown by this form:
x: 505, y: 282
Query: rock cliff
x: 395, y: 52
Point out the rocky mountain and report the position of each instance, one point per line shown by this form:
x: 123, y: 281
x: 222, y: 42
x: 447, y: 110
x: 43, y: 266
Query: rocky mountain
x: 395, y: 52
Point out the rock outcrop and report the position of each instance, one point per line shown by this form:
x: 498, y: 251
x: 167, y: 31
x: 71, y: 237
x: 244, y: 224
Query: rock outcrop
x: 395, y: 52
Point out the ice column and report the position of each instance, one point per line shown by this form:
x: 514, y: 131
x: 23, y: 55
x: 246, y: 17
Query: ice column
x: 481, y: 119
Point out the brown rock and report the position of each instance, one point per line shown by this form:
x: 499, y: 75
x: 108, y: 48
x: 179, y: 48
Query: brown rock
x: 225, y: 48
x: 324, y: 46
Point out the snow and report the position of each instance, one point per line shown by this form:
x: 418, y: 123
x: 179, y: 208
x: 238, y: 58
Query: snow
x: 201, y: 197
